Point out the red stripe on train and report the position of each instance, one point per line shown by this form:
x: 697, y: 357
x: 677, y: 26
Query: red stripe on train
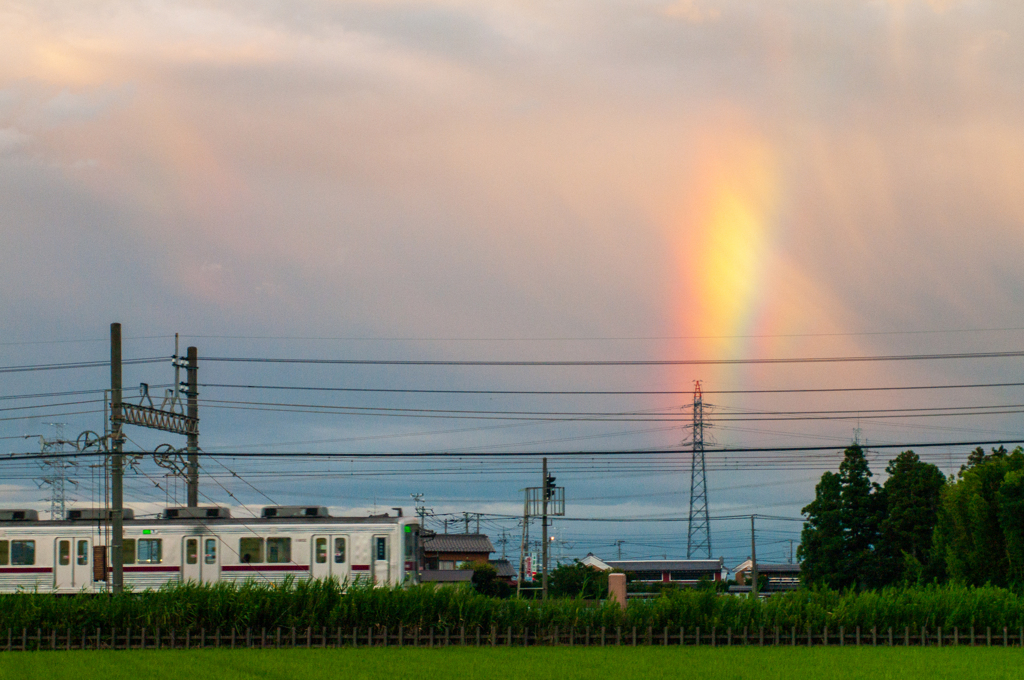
x: 360, y: 567
x: 25, y: 570
x: 266, y: 567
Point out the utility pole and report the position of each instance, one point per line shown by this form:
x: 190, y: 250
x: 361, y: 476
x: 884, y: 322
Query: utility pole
x: 791, y: 542
x: 193, y: 436
x: 544, y: 527
x: 478, y: 522
x: 753, y: 559
x: 698, y: 540
x: 618, y: 544
x: 524, y: 545
x: 116, y: 463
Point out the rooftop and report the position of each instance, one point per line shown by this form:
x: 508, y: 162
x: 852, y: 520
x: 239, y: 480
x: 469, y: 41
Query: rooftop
x: 457, y: 543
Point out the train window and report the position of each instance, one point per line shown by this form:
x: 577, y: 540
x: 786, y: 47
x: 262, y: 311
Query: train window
x: 128, y: 551
x: 339, y: 551
x: 191, y: 550
x: 23, y: 552
x: 4, y: 552
x: 321, y: 551
x: 210, y: 554
x: 83, y: 552
x: 250, y: 550
x: 64, y: 553
x: 382, y: 548
x: 150, y: 550
x: 279, y: 550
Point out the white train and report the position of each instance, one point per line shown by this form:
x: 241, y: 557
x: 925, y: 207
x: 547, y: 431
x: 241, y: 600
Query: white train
x: 205, y: 545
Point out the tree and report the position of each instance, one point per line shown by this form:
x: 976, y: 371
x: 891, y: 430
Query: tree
x: 821, y: 541
x: 485, y: 579
x: 912, y: 496
x: 838, y: 539
x: 978, y: 535
x: 578, y: 579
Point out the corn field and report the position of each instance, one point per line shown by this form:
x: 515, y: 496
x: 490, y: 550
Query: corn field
x: 329, y: 604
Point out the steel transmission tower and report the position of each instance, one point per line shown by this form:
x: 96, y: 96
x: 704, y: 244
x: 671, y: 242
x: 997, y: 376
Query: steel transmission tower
x: 55, y: 472
x: 698, y: 539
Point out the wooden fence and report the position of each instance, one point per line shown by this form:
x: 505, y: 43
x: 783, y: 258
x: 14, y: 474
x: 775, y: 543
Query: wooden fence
x: 276, y: 638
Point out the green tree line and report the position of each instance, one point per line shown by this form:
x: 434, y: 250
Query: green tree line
x: 918, y: 526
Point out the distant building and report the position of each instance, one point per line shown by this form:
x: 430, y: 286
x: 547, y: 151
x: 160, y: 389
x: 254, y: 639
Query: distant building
x: 682, y: 572
x: 780, y: 576
x: 445, y: 552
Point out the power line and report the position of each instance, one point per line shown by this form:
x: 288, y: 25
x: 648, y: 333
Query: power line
x: 77, y: 364
x: 531, y: 454
x: 626, y: 362
x: 609, y: 392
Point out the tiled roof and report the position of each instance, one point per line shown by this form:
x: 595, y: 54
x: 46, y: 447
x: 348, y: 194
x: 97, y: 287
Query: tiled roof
x: 446, y: 575
x: 504, y: 567
x: 458, y: 543
x: 665, y: 565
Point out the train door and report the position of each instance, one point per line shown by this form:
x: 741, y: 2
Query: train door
x: 330, y: 557
x: 381, y: 559
x: 201, y: 559
x: 64, y: 565
x: 72, y: 563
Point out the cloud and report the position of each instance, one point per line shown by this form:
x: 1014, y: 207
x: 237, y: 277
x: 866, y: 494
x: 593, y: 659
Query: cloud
x: 12, y: 140
x: 692, y: 11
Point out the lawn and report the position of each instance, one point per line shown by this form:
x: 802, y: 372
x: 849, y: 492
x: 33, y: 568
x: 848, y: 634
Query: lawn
x: 542, y: 662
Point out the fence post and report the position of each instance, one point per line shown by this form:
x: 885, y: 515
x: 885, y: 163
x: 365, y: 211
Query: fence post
x: 972, y: 636
x: 714, y: 636
x: 1004, y: 636
x: 939, y: 636
x: 988, y: 636
x: 858, y: 636
x: 906, y: 636
x: 665, y: 641
x: 824, y: 636
x: 462, y: 635
x: 760, y: 637
x: 602, y: 635
x: 509, y: 636
x: 728, y: 636
x: 494, y: 635
x: 634, y: 636
x: 924, y: 636
x: 618, y: 636
x: 697, y: 638
x: 69, y: 639
x: 682, y: 636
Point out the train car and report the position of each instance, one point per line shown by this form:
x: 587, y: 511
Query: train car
x: 204, y: 545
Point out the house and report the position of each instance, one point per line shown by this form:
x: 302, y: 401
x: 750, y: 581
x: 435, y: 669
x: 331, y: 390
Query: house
x: 682, y: 572
x: 445, y: 552
x: 780, y: 576
x: 506, y: 572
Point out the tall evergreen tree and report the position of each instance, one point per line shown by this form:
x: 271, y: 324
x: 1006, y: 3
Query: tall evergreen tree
x: 912, y: 495
x: 837, y: 543
x: 821, y: 541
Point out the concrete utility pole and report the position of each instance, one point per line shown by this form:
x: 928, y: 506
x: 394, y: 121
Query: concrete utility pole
x: 193, y: 437
x: 618, y: 544
x: 117, y: 463
x: 753, y: 559
x: 544, y: 534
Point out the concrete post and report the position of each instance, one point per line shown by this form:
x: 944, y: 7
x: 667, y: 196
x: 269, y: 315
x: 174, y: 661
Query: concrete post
x: 617, y: 589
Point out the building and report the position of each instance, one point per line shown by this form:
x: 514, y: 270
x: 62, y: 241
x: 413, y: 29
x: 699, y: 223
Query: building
x: 681, y: 572
x: 780, y: 576
x: 445, y: 552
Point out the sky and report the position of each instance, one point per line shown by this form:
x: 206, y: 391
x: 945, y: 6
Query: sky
x: 448, y: 180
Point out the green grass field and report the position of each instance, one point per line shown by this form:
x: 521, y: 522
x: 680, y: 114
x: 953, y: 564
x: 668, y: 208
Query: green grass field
x: 503, y: 664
